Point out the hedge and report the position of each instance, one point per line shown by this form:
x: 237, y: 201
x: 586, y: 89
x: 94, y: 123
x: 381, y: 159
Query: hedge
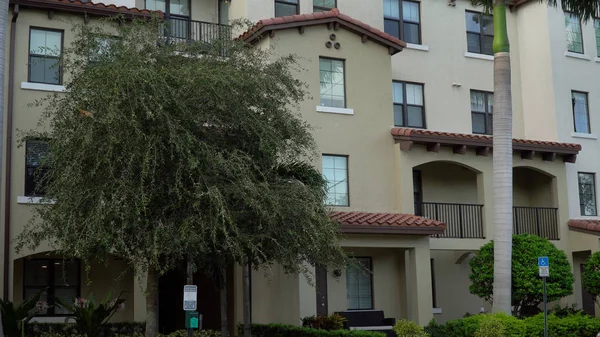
x: 576, y: 325
x: 283, y: 330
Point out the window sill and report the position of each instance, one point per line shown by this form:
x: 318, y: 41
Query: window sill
x: 437, y: 311
x: 597, y: 59
x: 577, y: 56
x: 417, y: 47
x: 479, y: 56
x: 49, y: 319
x: 34, y: 200
x: 42, y: 87
x: 584, y: 135
x: 342, y: 111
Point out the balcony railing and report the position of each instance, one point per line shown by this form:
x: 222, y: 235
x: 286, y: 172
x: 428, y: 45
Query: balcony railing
x: 181, y: 29
x: 464, y: 221
x: 540, y: 221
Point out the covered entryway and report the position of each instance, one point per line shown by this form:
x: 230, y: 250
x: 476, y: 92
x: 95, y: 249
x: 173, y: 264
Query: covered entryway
x: 171, y: 313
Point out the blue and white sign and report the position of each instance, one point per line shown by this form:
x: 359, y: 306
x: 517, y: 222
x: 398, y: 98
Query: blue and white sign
x: 190, y: 297
x: 544, y: 266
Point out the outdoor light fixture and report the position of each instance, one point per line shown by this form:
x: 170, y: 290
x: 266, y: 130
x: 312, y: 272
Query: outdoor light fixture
x: 338, y: 273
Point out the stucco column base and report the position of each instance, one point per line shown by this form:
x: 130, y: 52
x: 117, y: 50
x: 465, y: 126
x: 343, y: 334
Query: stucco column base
x: 420, y: 304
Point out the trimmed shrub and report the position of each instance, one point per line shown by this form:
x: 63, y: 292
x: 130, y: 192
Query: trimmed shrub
x: 405, y: 328
x: 329, y: 322
x: 577, y: 325
x: 110, y: 329
x: 284, y: 330
x: 491, y: 326
x: 468, y: 326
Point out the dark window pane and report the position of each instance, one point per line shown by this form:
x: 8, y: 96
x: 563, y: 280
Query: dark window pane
x: 487, y: 26
x: 284, y: 9
x: 580, y: 112
x: 489, y: 124
x: 66, y: 295
x: 66, y: 273
x: 37, y: 273
x: 415, y: 116
x: 43, y: 70
x: 478, y: 122
x: 323, y: 5
x: 391, y: 9
x: 488, y: 47
x: 392, y: 27
x: 473, y: 43
x: 398, y: 115
x: 587, y: 193
x: 411, y: 33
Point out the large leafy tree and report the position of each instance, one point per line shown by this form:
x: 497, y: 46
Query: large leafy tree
x: 165, y: 151
x: 502, y: 156
x: 527, y: 285
x: 590, y: 278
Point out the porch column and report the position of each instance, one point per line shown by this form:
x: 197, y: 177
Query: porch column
x: 404, y: 182
x: 139, y: 296
x: 420, y: 304
x: 485, y: 196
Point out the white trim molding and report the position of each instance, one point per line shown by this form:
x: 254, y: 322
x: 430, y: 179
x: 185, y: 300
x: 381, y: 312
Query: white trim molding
x: 479, y: 56
x: 34, y: 200
x: 577, y: 56
x: 437, y: 311
x: 43, y: 87
x: 584, y: 135
x: 417, y: 46
x: 332, y: 110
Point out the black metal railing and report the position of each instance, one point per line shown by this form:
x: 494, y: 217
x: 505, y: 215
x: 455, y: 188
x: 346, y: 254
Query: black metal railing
x: 540, y: 221
x: 181, y: 29
x: 464, y: 221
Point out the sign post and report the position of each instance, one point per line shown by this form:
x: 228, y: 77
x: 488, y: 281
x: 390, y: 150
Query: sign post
x: 190, y: 300
x: 544, y: 269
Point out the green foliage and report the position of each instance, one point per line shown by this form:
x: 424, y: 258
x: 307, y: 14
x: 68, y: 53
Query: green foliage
x: 170, y: 152
x: 109, y: 329
x: 406, y: 328
x: 179, y: 333
x: 590, y: 278
x: 491, y: 326
x: 586, y: 9
x: 283, y: 330
x: 565, y: 311
x: 329, y: 322
x: 576, y: 325
x: 527, y: 289
x: 571, y: 326
x: 89, y: 316
x: 16, y: 317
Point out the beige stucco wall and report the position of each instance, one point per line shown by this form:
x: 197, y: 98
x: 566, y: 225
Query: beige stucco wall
x: 271, y: 289
x: 448, y: 183
x: 368, y: 92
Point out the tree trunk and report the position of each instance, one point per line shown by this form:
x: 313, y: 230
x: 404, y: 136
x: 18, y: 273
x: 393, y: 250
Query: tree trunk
x: 152, y: 303
x: 247, y: 319
x: 223, y: 295
x: 502, y: 163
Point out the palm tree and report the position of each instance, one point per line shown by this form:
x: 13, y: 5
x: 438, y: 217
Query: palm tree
x: 502, y: 129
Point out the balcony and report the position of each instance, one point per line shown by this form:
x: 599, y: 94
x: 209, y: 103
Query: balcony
x: 182, y: 29
x: 540, y: 221
x: 463, y: 221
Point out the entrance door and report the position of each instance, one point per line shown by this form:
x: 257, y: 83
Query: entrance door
x: 418, y: 192
x: 587, y: 300
x: 321, y: 290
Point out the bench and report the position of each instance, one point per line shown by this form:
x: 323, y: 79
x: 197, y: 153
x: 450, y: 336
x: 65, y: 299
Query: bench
x: 371, y: 320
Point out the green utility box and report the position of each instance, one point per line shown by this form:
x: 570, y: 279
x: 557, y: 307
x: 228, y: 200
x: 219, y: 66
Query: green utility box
x: 193, y: 320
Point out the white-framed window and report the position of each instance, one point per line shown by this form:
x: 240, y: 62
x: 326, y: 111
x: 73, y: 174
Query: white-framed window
x: 45, y: 48
x: 359, y: 284
x: 335, y: 171
x: 587, y: 193
x: 574, y: 35
x: 332, y: 79
x: 581, y: 112
x: 482, y: 107
x: 480, y: 33
x: 402, y: 19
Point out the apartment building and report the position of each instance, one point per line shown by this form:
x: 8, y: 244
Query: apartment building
x: 402, y: 100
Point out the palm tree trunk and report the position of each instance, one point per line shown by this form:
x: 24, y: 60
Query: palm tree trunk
x: 502, y: 163
x: 247, y: 320
x: 223, y: 297
x: 152, y: 303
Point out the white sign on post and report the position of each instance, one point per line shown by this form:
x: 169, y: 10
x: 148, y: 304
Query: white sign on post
x: 190, y: 297
x: 544, y: 266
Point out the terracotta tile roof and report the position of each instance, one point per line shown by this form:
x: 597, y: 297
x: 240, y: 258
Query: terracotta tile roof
x: 587, y: 226
x: 333, y: 16
x: 569, y: 151
x: 83, y: 6
x: 353, y: 222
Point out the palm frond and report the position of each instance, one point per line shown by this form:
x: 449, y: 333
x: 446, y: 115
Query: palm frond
x: 585, y: 9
